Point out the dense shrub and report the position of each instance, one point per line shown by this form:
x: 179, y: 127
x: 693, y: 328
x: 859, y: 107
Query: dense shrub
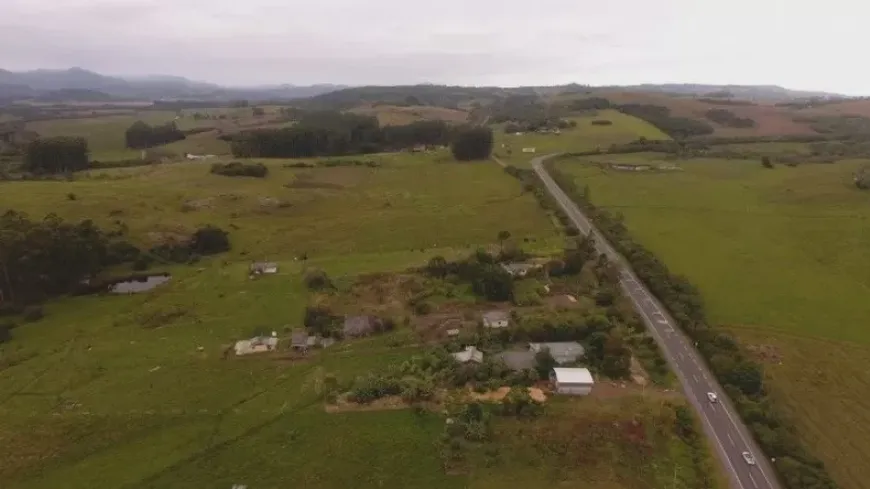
x: 209, y: 240
x: 602, y: 122
x: 316, y: 280
x: 237, y: 169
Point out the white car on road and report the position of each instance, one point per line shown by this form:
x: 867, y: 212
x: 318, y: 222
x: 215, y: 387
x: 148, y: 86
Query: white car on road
x: 712, y: 397
x: 748, y: 458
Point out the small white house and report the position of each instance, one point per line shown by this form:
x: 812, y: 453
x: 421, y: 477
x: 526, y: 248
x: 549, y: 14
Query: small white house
x: 496, y: 319
x: 528, y: 150
x: 258, y: 344
x: 572, y: 381
x: 470, y: 354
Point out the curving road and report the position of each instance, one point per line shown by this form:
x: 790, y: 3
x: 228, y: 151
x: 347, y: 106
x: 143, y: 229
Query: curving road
x: 724, y: 428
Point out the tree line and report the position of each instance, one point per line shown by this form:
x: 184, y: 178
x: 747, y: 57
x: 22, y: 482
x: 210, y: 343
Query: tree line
x: 328, y: 133
x: 56, y: 155
x: 740, y: 376
x: 728, y: 118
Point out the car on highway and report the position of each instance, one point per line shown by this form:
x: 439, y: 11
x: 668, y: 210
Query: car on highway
x: 748, y: 458
x: 712, y: 397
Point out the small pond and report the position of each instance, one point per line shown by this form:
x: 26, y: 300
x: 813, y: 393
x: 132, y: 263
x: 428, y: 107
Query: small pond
x: 138, y: 284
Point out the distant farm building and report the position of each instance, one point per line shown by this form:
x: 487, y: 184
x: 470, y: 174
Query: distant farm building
x: 528, y: 150
x: 496, y: 319
x: 572, y: 381
x: 260, y: 268
x: 469, y: 354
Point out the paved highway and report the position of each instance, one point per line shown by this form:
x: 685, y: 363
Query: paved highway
x: 726, y: 431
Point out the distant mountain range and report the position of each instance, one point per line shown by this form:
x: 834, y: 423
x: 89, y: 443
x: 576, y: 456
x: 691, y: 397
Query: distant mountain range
x: 77, y: 84
x: 83, y: 85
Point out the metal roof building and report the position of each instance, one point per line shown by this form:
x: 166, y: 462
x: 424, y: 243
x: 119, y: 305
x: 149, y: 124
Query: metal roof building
x: 572, y: 381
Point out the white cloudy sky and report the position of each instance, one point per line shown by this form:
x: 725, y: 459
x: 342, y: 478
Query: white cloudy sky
x: 796, y: 43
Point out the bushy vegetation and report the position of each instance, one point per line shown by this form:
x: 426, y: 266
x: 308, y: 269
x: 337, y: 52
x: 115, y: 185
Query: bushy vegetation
x: 739, y: 374
x: 473, y: 143
x: 487, y: 278
x: 141, y: 135
x: 728, y: 118
x: 837, y: 125
x: 591, y: 103
x: 548, y: 124
x: 659, y: 116
x: 238, y: 169
x: 56, y: 155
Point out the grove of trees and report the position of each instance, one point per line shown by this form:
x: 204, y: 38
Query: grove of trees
x: 141, y: 135
x: 728, y: 118
x: 328, y: 133
x: 473, y: 143
x: 56, y: 155
x: 659, y: 116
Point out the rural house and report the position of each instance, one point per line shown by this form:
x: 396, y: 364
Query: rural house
x: 562, y: 352
x: 257, y: 344
x: 260, y: 268
x: 496, y: 319
x: 358, y: 326
x: 518, y: 269
x: 572, y: 381
x: 470, y: 354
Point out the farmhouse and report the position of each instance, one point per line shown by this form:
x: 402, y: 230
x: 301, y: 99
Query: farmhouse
x: 470, y: 354
x: 562, y: 352
x: 496, y: 319
x: 262, y: 267
x: 257, y: 344
x: 358, y: 326
x: 572, y: 381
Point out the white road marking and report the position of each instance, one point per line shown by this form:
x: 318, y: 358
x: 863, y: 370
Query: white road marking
x: 731, y: 439
x: 680, y: 355
x: 696, y: 378
x: 753, y: 480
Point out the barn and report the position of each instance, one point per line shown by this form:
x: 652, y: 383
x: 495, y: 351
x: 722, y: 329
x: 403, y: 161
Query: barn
x: 572, y: 381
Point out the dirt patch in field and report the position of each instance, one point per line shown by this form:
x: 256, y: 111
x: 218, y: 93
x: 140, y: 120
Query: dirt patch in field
x: 617, y: 389
x: 498, y: 395
x: 390, y: 403
x: 766, y: 353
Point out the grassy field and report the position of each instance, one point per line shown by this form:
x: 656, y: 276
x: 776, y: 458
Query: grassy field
x: 584, y: 137
x: 133, y: 391
x: 781, y: 256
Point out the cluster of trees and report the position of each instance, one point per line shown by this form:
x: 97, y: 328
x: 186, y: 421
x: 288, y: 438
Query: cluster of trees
x: 488, y: 279
x: 56, y: 155
x: 837, y: 125
x: 141, y: 135
x: 237, y: 169
x: 326, y: 133
x: 473, y: 143
x: 726, y: 101
x: 40, y: 259
x: 739, y: 374
x: 659, y: 116
x: 728, y: 118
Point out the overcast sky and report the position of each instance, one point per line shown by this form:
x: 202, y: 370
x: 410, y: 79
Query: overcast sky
x: 798, y: 44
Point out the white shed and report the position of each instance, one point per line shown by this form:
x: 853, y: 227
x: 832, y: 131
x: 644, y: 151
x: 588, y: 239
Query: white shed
x: 572, y: 381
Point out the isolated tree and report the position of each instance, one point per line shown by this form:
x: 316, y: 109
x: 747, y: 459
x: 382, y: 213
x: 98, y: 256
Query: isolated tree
x: 471, y: 144
x: 765, y: 162
x: 56, y: 155
x: 502, y: 237
x: 437, y: 267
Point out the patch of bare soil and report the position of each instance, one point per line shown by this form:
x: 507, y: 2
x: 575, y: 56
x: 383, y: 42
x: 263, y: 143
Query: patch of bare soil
x: 614, y: 390
x: 766, y: 353
x: 390, y: 403
x: 502, y: 392
x: 562, y: 301
x: 195, y: 205
x: 638, y: 374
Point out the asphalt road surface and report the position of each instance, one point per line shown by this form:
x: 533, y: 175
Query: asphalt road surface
x: 726, y: 431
